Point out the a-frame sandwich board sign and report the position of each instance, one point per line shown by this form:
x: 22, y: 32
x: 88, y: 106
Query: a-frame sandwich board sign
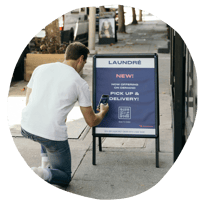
x: 131, y: 81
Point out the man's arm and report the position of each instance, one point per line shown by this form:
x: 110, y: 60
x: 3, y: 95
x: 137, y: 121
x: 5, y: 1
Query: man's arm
x: 91, y: 118
x: 28, y: 92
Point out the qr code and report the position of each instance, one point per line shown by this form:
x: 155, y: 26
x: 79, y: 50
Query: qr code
x: 124, y: 112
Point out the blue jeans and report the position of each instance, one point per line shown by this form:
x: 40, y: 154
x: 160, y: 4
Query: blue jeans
x: 59, y: 158
x: 43, y: 151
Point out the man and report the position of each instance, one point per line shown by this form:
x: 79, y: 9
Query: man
x: 51, y: 93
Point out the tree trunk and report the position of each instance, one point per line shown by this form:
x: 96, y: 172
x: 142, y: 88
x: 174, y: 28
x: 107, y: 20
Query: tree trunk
x: 102, y: 9
x: 140, y: 16
x: 134, y: 16
x: 121, y: 25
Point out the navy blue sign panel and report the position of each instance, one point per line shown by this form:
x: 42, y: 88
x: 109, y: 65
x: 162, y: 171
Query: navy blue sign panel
x: 132, y: 85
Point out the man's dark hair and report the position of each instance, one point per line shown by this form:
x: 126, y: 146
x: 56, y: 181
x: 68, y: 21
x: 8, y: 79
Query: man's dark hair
x: 75, y: 50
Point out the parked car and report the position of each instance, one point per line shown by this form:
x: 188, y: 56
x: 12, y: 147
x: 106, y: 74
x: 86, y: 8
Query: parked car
x: 75, y: 26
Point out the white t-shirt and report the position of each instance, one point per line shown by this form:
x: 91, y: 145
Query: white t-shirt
x: 55, y: 89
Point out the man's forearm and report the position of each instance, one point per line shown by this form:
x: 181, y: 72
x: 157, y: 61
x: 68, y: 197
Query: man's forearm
x: 91, y: 118
x: 98, y: 118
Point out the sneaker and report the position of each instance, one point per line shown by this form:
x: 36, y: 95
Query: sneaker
x: 42, y: 173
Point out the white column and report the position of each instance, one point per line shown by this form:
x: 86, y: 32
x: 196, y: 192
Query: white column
x: 92, y: 30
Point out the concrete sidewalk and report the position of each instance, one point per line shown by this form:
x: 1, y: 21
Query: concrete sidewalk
x: 125, y: 167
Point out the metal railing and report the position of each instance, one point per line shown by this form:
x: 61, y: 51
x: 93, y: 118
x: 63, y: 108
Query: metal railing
x: 183, y: 80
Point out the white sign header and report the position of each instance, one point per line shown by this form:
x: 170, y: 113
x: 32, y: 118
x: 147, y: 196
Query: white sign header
x: 125, y: 63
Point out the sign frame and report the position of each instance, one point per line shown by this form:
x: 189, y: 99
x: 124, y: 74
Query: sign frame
x: 156, y: 93
x: 112, y: 27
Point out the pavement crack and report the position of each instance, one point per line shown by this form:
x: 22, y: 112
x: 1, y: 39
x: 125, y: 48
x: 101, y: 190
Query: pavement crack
x: 81, y: 161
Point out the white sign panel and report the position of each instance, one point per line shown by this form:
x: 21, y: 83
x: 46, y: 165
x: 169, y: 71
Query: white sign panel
x: 125, y: 63
x: 130, y: 131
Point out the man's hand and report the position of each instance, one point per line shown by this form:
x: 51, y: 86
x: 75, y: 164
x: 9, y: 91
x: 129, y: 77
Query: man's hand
x: 93, y: 119
x: 103, y: 108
